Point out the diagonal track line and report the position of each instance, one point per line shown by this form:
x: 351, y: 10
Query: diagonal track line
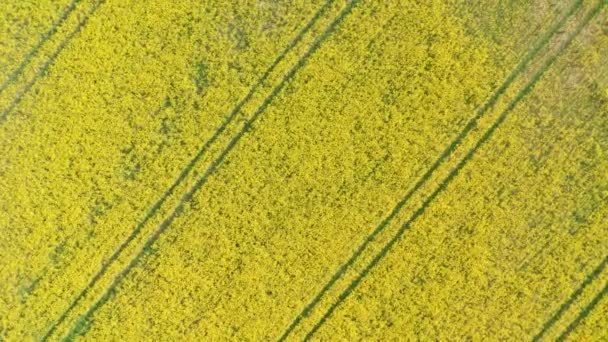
x: 185, y: 171
x: 45, y: 37
x: 454, y: 172
x: 442, y: 158
x: 211, y: 169
x: 42, y: 71
x: 584, y: 313
x: 549, y: 323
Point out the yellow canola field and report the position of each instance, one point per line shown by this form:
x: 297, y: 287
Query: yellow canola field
x: 23, y: 26
x: 305, y: 185
x: 98, y: 140
x: 195, y: 171
x: 515, y: 235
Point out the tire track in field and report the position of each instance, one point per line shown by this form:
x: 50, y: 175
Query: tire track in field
x: 186, y: 171
x: 530, y: 55
x: 46, y: 36
x: 589, y: 278
x: 43, y: 69
x: 584, y: 313
x: 77, y: 328
x: 454, y: 172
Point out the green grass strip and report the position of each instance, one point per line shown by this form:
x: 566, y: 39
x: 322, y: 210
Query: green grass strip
x: 185, y: 171
x: 83, y: 321
x: 46, y: 36
x: 589, y: 278
x: 442, y: 158
x: 453, y: 173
